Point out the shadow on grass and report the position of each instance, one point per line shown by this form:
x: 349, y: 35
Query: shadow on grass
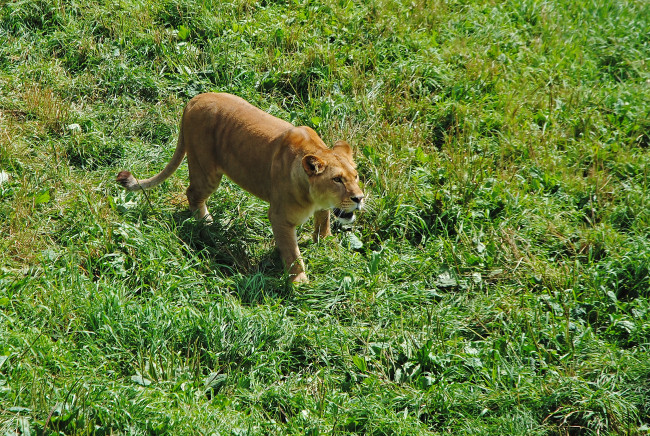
x: 224, y: 247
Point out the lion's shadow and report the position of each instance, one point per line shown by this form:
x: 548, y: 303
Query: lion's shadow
x: 224, y: 247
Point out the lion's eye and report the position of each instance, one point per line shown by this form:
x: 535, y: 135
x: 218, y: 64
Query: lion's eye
x: 337, y: 180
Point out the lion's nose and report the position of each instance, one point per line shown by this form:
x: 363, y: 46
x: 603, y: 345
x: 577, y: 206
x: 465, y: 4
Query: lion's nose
x: 357, y: 199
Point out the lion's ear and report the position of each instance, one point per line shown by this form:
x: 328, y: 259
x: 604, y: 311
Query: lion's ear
x: 342, y: 147
x: 313, y: 165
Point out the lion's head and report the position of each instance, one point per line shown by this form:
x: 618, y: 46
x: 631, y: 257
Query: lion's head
x: 334, y: 181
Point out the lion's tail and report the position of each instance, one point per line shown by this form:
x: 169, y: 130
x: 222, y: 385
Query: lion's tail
x: 126, y: 179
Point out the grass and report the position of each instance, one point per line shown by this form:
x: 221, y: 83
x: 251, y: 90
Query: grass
x: 497, y: 284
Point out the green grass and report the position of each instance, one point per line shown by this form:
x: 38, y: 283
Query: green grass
x: 498, y: 283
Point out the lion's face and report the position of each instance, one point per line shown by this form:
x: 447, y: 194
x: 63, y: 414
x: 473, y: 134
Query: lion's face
x: 334, y: 181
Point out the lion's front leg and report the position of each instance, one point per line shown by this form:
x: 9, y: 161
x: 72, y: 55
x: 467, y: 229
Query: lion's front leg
x: 287, y: 242
x: 321, y: 224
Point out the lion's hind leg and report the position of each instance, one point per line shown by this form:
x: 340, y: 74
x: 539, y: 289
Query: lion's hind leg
x: 198, y: 192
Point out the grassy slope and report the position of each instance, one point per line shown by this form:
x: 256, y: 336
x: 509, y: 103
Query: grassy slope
x: 502, y: 286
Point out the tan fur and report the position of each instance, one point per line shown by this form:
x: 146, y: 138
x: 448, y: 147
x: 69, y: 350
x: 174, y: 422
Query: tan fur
x: 289, y: 167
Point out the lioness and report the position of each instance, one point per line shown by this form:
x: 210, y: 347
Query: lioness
x: 289, y: 167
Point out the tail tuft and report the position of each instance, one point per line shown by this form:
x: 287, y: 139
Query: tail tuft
x: 127, y: 180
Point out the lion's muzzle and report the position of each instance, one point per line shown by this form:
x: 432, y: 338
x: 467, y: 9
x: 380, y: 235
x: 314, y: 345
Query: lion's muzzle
x: 345, y: 214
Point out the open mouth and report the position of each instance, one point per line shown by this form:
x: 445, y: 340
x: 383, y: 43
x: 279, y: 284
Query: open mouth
x: 343, y: 216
